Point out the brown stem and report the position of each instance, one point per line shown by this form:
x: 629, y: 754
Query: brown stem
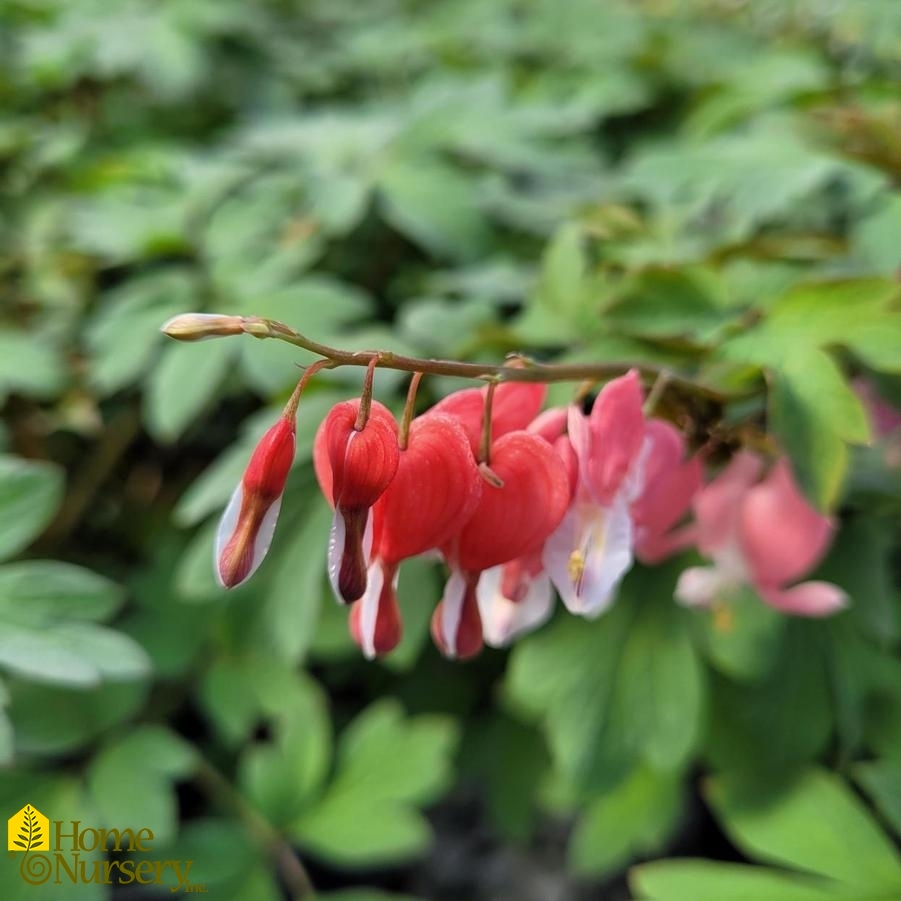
x: 366, y: 395
x: 290, y: 410
x: 527, y: 370
x: 289, y: 865
x: 408, y: 410
x: 485, y: 446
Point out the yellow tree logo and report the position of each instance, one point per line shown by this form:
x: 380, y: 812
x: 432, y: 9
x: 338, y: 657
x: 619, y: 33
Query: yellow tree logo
x: 28, y: 830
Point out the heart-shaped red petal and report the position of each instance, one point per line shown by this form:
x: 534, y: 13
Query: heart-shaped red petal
x: 433, y: 494
x: 514, y: 520
x: 354, y: 467
x: 514, y: 406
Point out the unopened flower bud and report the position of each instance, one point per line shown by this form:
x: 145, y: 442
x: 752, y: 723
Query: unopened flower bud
x: 198, y: 326
x: 246, y: 529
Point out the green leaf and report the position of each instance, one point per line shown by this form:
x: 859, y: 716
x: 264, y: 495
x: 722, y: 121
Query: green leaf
x: 556, y: 308
x: 222, y: 854
x: 816, y: 825
x: 707, y: 880
x: 510, y: 760
x: 290, y: 610
x: 229, y: 700
x: 124, y: 334
x: 743, y: 642
x: 40, y: 592
x: 860, y: 562
x: 881, y: 780
x: 667, y: 303
x: 387, y: 764
x: 634, y: 818
x: 46, y: 612
x: 52, y: 720
x: 609, y: 693
x: 813, y: 412
x: 772, y: 725
x: 818, y: 314
x: 283, y: 776
x: 183, y: 383
x: 323, y: 308
x: 130, y: 781
x: 30, y: 493
x: 434, y: 206
x: 30, y: 365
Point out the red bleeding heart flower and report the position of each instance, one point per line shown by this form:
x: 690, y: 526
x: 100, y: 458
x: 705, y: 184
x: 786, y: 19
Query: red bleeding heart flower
x: 434, y: 492
x: 248, y: 523
x: 510, y: 521
x: 514, y: 406
x: 354, y: 466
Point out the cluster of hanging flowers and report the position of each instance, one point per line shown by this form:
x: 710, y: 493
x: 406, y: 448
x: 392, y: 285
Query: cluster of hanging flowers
x: 521, y: 503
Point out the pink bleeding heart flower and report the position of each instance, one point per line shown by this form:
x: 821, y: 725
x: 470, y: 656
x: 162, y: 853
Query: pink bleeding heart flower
x: 248, y: 523
x: 512, y: 520
x: 763, y: 533
x: 670, y: 484
x: 591, y: 550
x: 517, y: 596
x: 514, y: 598
x: 514, y: 406
x: 353, y: 466
x: 435, y: 491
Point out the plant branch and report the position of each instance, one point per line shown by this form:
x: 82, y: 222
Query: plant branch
x: 289, y: 865
x: 516, y: 369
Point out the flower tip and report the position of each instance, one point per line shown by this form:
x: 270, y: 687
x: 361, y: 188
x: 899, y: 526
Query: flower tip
x: 198, y: 326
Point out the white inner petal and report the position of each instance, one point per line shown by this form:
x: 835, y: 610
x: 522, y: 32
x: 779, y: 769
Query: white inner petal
x: 369, y: 608
x: 502, y: 619
x: 336, y: 540
x: 264, y: 534
x: 589, y: 554
x: 227, y: 527
x: 452, y: 610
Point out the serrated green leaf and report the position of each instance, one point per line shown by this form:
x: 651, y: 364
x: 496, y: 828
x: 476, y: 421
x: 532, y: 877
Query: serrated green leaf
x: 610, y: 693
x: 387, y: 764
x: 130, y: 781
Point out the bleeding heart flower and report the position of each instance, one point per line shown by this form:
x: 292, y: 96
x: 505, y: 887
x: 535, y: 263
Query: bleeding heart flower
x: 514, y: 598
x: 435, y: 491
x: 510, y: 521
x: 670, y: 484
x: 763, y: 533
x: 591, y: 550
x: 248, y: 523
x: 517, y: 596
x: 354, y: 466
x: 514, y: 406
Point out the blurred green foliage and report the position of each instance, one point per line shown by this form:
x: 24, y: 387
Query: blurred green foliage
x: 707, y: 186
